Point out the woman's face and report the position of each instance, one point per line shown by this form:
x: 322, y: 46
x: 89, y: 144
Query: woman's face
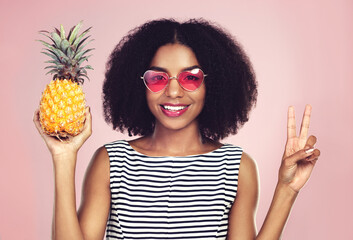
x: 175, y: 108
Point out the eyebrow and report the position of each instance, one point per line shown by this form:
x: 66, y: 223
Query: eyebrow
x: 165, y: 70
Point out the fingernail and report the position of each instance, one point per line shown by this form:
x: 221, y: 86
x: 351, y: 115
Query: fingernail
x: 309, y: 150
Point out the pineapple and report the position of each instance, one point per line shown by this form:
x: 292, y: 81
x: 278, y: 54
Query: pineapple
x: 62, y: 106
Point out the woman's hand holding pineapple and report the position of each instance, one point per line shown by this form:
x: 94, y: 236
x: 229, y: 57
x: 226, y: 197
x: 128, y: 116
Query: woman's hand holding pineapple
x: 59, y: 148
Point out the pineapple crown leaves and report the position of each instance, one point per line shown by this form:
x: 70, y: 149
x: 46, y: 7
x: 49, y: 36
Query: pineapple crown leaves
x: 67, y: 53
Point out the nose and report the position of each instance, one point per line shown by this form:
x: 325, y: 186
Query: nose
x: 174, y: 90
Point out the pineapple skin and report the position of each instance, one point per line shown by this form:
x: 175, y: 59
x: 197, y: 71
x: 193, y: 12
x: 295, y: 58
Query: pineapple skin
x: 62, y: 108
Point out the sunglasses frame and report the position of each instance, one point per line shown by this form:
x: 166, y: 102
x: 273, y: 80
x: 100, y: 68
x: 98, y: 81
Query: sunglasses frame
x: 177, y: 78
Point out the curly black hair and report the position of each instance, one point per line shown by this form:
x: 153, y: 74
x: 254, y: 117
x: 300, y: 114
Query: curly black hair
x: 231, y: 87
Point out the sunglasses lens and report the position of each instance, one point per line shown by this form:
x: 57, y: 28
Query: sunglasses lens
x: 155, y: 81
x: 191, y: 80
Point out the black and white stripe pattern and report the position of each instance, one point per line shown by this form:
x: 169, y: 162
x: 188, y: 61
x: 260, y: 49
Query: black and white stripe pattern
x: 171, y: 197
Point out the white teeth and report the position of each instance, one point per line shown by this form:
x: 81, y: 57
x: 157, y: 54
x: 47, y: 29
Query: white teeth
x: 173, y: 108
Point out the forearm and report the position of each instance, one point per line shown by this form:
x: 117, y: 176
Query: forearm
x: 65, y: 220
x: 278, y: 213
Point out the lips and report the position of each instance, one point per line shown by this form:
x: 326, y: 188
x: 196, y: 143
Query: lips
x: 174, y: 110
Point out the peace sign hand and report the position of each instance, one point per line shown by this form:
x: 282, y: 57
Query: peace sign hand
x: 300, y: 156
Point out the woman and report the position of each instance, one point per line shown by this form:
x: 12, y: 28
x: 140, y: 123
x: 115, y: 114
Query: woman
x: 182, y: 87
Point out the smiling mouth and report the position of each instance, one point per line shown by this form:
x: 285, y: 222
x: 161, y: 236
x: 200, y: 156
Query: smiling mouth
x: 174, y: 108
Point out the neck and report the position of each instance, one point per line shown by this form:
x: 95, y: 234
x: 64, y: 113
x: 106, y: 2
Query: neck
x: 175, y: 142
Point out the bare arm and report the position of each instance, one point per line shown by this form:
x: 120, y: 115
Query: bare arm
x: 95, y: 202
x: 295, y: 170
x: 67, y: 224
x: 242, y: 215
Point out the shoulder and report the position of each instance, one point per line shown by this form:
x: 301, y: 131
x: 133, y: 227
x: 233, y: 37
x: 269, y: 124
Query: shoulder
x: 98, y: 169
x: 248, y: 164
x: 100, y: 153
x: 248, y: 176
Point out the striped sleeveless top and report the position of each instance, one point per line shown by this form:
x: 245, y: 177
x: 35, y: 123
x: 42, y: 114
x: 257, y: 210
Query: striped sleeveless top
x: 185, y: 197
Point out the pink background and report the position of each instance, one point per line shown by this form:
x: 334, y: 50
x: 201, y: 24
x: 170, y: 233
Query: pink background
x: 302, y: 52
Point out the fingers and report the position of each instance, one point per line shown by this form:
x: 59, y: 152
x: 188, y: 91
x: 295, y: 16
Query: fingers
x: 88, y: 124
x: 304, y: 129
x: 309, y: 153
x: 302, y: 155
x: 88, y: 117
x: 296, y: 157
x: 310, y: 143
x: 314, y: 156
x: 291, y: 125
x: 87, y: 128
x: 310, y: 147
